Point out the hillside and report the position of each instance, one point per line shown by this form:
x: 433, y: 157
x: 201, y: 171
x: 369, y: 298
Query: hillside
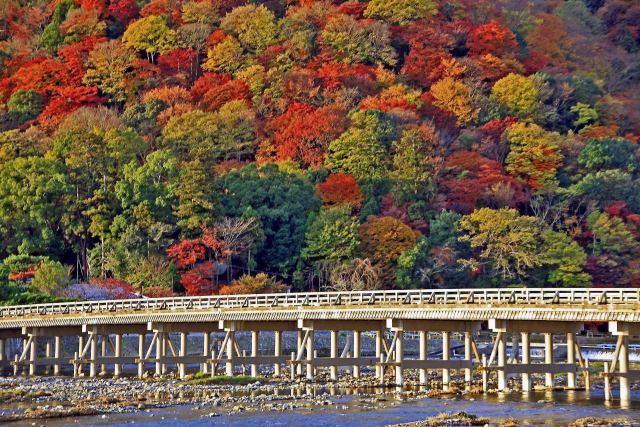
x: 183, y: 146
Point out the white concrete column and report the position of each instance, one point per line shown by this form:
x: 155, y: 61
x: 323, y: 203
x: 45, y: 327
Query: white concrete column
x: 117, y: 367
x: 446, y: 352
x: 80, y: 348
x: 310, y: 355
x: 159, y: 354
x: 548, y: 358
x: 424, y: 354
x: 526, y: 359
x: 141, y: 342
x: 206, y: 350
x: 230, y: 351
x: 399, y: 357
x: 255, y: 342
x: 103, y: 367
x: 333, y: 353
x: 93, y: 355
x: 571, y: 358
x: 165, y: 340
x: 623, y: 368
x: 299, y: 347
x: 183, y: 353
x: 3, y: 357
x: 56, y: 354
x: 47, y: 354
x: 277, y: 351
x: 468, y: 373
x: 502, y: 359
x: 33, y: 354
x: 356, y: 353
x: 379, y: 368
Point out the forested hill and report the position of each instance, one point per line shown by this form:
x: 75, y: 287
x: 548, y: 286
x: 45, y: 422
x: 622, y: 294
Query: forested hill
x: 223, y: 146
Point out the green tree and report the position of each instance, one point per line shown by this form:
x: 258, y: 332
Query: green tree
x: 433, y: 261
x: 281, y: 201
x: 362, y: 150
x: 151, y: 35
x: 332, y: 236
x: 51, y: 38
x: 414, y: 165
x: 25, y: 104
x: 610, y: 235
x: 565, y: 258
x: 50, y: 277
x: 33, y: 198
x: 609, y: 153
x: 196, y: 196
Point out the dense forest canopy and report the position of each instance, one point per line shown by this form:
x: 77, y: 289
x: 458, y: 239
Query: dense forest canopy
x: 224, y: 146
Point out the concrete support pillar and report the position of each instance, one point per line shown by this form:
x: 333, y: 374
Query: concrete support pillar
x: 333, y: 353
x: 56, y: 354
x: 141, y: 339
x: 399, y: 357
x: 277, y: 351
x: 165, y: 343
x: 571, y: 358
x: 159, y: 354
x: 206, y: 350
x: 379, y: 368
x: 230, y: 353
x: 80, y: 348
x: 93, y: 355
x: 446, y: 352
x: 117, y: 367
x: 47, y: 354
x: 183, y: 353
x: 468, y: 374
x: 623, y: 368
x: 310, y: 355
x: 502, y: 361
x: 33, y: 354
x: 299, y: 347
x: 548, y: 358
x: 255, y: 342
x: 356, y: 353
x: 424, y: 354
x: 526, y: 356
x: 103, y: 352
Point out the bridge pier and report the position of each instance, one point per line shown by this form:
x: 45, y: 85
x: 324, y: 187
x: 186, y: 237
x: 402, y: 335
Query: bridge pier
x: 548, y: 358
x: 524, y: 328
x: 620, y: 359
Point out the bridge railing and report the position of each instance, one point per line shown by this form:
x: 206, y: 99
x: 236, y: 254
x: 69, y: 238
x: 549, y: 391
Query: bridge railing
x: 544, y: 296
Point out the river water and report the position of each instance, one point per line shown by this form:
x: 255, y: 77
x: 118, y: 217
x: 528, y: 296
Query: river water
x: 536, y: 408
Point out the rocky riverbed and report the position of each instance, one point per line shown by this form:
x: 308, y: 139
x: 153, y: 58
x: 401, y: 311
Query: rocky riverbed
x: 38, y: 398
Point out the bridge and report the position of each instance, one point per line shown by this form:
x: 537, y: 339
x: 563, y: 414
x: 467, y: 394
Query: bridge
x: 518, y: 317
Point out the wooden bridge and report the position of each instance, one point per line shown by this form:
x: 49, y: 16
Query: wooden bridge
x: 518, y: 315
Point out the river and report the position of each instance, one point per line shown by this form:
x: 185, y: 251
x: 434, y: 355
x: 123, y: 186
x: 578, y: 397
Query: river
x: 536, y: 408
